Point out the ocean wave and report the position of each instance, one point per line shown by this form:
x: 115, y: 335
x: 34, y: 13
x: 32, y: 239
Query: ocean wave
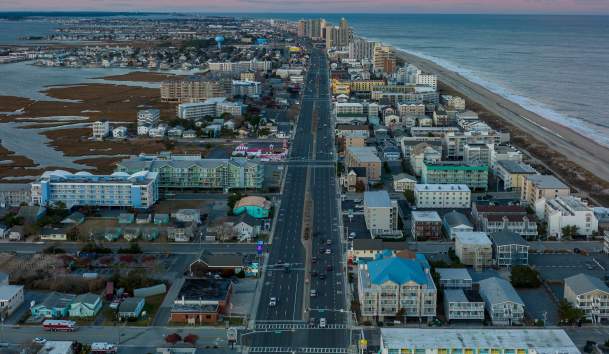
x: 598, y: 133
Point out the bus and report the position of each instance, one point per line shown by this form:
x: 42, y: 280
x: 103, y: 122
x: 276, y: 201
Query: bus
x: 59, y: 325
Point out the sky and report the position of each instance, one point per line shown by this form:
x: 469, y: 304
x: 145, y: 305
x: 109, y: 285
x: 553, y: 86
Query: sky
x: 318, y: 6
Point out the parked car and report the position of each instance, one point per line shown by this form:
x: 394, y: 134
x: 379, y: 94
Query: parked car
x: 273, y: 302
x: 322, y: 322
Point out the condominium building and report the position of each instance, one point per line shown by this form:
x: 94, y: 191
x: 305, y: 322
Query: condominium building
x: 469, y: 341
x: 502, y: 302
x: 101, y: 129
x: 383, y: 59
x: 455, y: 141
x: 589, y: 294
x: 513, y: 173
x: 538, y: 187
x: 414, y: 110
x: 199, y: 173
x: 361, y: 49
x: 192, y: 89
x: 474, y: 248
x: 237, y: 67
x: 365, y: 157
x: 515, y: 218
x: 15, y: 194
x: 463, y: 305
x: 366, y: 86
x: 380, y: 213
x: 569, y: 211
x: 509, y: 249
x: 505, y: 152
x: 442, y: 196
x: 394, y: 284
x: 475, y: 176
x: 453, y: 103
x: 138, y: 190
x: 11, y: 298
x: 427, y: 80
x: 150, y: 117
x: 426, y: 225
x: 478, y: 153
x: 455, y: 278
x: 420, y: 154
x: 349, y: 111
x: 245, y: 88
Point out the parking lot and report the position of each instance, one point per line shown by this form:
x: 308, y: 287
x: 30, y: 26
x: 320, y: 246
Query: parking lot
x: 556, y: 267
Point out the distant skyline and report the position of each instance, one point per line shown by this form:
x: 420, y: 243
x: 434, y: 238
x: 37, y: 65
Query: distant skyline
x: 319, y: 6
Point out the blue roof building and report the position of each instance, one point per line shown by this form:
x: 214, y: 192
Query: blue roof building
x: 396, y: 285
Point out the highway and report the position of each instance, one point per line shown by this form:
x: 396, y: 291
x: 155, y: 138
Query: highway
x: 285, y: 326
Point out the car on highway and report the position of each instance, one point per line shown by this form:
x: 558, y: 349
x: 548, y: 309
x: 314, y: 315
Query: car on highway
x: 314, y: 260
x: 273, y: 302
x: 313, y: 293
x: 329, y: 268
x: 322, y: 322
x: 328, y: 251
x: 322, y: 277
x: 321, y: 251
x: 328, y: 242
x: 351, y: 236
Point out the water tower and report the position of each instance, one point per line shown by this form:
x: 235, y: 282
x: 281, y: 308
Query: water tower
x: 219, y: 40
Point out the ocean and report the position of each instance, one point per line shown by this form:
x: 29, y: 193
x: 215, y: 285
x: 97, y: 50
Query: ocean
x: 556, y: 66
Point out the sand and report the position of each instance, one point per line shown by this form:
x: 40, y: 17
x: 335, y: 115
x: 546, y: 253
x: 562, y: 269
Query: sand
x: 580, y: 161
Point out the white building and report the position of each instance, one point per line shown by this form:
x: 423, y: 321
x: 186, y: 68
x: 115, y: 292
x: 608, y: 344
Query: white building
x: 380, y: 213
x: 470, y: 341
x: 453, y: 103
x: 11, y: 297
x: 589, y: 294
x: 149, y: 117
x: 119, y: 132
x: 101, y: 129
x: 502, y: 302
x: 442, y: 196
x: 245, y: 88
x: 474, y: 248
x: 461, y: 305
x: 427, y: 80
x: 349, y: 109
x: 139, y: 190
x: 455, y: 278
x: 569, y: 211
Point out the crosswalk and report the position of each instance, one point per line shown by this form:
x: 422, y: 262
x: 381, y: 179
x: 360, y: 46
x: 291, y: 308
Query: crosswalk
x: 290, y: 326
x: 306, y: 350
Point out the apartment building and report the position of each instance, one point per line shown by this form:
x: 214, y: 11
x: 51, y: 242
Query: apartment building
x: 380, y: 214
x: 403, y: 182
x: 427, y: 80
x: 494, y: 218
x: 460, y: 305
x: 365, y: 86
x: 589, y: 294
x: 442, y: 196
x: 237, y: 67
x: 149, y: 117
x: 474, y: 248
x: 361, y: 49
x: 246, y: 88
x: 570, y: 211
x: 15, y: 194
x: 478, y: 153
x: 455, y: 141
x: 455, y: 278
x: 11, y: 298
x: 383, y: 59
x: 199, y: 173
x: 420, y: 154
x: 100, y: 129
x: 413, y: 110
x: 513, y: 173
x: 343, y: 130
x: 475, y: 176
x: 501, y: 301
x: 139, y: 190
x: 388, y: 285
x: 365, y: 157
x: 192, y: 89
x: 453, y: 103
x: 455, y: 221
x: 426, y: 225
x: 509, y: 249
x: 537, y: 187
x: 505, y: 152
x: 349, y: 111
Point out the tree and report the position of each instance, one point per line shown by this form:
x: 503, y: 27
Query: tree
x: 233, y: 199
x: 73, y: 234
x: 568, y: 314
x: 524, y: 277
x: 360, y: 187
x: 401, y: 313
x: 409, y: 195
x: 570, y: 231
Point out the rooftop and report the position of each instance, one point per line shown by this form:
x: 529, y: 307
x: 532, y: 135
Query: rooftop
x: 454, y: 273
x: 441, y: 188
x: 584, y: 283
x: 497, y: 290
x: 426, y: 216
x: 543, y: 341
x: 455, y: 218
x: 204, y: 289
x: 546, y: 182
x: 377, y: 199
x: 516, y: 167
x: 397, y: 270
x: 506, y: 237
x: 473, y: 238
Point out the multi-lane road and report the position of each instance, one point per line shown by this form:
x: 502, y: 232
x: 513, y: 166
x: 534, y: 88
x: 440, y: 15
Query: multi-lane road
x: 292, y: 324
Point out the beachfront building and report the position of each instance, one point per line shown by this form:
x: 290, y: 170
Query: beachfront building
x: 463, y: 305
x: 100, y: 129
x: 199, y: 173
x: 365, y: 157
x: 589, y: 294
x: 502, y: 302
x: 210, y: 108
x: 380, y: 214
x: 383, y: 59
x: 537, y: 187
x: 452, y: 196
x: 453, y: 103
x: 470, y: 341
x: 569, y: 211
x: 192, y: 89
x: 138, y: 190
x: 149, y: 117
x: 494, y: 218
x: 246, y: 88
x: 388, y: 285
x: 509, y: 249
x: 513, y: 173
x: 455, y: 278
x: 475, y: 176
x: 455, y: 141
x: 474, y: 249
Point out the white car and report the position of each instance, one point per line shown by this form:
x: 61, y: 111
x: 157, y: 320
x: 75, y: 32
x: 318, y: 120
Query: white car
x: 328, y: 251
x: 322, y: 322
x: 273, y: 302
x: 313, y: 293
x: 39, y: 340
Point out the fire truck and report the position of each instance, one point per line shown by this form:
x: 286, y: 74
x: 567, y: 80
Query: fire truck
x: 59, y: 325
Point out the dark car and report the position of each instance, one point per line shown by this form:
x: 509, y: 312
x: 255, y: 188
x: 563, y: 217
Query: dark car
x: 314, y: 260
x: 329, y: 268
x: 322, y: 277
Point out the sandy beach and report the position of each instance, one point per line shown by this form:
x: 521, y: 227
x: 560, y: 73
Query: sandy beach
x: 578, y: 149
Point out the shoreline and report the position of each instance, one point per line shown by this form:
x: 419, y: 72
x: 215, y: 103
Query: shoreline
x: 573, y: 146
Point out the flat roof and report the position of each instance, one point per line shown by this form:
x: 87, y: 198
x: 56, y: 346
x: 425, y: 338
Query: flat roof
x: 454, y: 273
x: 516, y: 167
x: 473, y: 238
x: 426, y: 216
x: 421, y: 187
x: 546, y: 182
x: 541, y: 340
x: 377, y: 199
